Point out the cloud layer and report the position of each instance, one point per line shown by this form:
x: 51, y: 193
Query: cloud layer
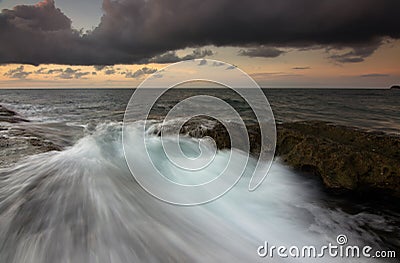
x: 261, y: 51
x: 67, y: 73
x: 139, y: 31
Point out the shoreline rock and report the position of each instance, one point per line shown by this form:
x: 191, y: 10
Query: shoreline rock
x: 395, y: 87
x: 345, y: 159
x: 17, y: 143
x: 10, y: 116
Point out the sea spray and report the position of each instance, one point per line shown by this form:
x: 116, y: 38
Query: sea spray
x: 83, y: 205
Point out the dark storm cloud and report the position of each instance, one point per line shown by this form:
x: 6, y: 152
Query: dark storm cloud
x: 70, y: 73
x: 80, y: 75
x: 301, y: 68
x: 265, y: 75
x: 262, y: 51
x: 172, y: 57
x: 231, y: 67
x: 374, y: 75
x: 17, y: 73
x: 109, y: 71
x: 133, y: 31
x: 67, y: 73
x: 99, y: 67
x: 358, y: 52
x: 52, y: 71
x: 218, y: 64
x: 40, y: 71
x: 168, y: 57
x: 35, y: 34
x: 202, y: 62
x: 140, y: 72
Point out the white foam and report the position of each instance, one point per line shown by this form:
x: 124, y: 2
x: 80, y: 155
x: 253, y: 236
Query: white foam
x: 83, y: 205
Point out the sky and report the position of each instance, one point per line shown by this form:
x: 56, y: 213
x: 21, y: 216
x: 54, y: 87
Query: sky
x: 280, y: 43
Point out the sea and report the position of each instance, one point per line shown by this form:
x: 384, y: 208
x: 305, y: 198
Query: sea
x: 82, y: 204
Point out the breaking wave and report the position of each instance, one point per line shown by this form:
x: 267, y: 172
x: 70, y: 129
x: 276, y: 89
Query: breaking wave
x: 83, y: 205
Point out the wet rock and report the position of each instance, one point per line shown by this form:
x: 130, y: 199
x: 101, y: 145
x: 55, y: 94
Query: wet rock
x: 7, y: 115
x: 20, y: 140
x: 346, y: 159
x: 395, y: 87
x: 196, y: 128
x: 18, y: 143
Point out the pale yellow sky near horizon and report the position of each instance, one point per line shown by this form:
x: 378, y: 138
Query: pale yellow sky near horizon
x: 309, y: 68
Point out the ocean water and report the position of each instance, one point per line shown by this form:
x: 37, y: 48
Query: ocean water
x: 82, y: 204
x: 369, y: 109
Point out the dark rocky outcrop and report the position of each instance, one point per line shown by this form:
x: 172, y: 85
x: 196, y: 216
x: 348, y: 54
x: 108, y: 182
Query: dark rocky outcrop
x: 220, y: 134
x: 17, y: 142
x: 346, y: 159
x: 7, y: 115
x: 395, y: 87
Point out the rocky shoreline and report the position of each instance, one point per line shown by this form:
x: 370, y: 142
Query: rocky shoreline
x: 346, y: 159
x: 7, y: 115
x: 17, y: 142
